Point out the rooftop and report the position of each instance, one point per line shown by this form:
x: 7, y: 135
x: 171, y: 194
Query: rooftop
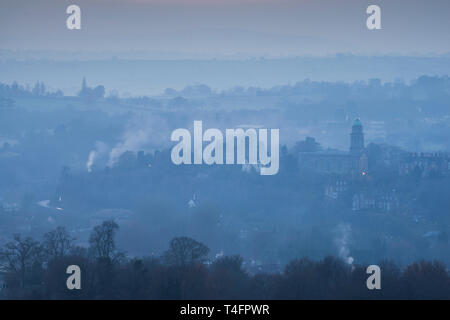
x: 357, y: 122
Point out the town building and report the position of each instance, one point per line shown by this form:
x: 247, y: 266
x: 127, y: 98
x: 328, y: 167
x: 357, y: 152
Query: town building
x: 354, y: 161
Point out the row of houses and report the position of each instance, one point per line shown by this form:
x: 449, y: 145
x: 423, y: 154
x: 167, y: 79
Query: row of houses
x: 425, y: 163
x: 384, y: 201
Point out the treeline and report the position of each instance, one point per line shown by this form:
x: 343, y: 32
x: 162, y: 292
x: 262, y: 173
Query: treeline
x: 436, y: 87
x: 37, y: 270
x: 429, y: 86
x: 15, y: 90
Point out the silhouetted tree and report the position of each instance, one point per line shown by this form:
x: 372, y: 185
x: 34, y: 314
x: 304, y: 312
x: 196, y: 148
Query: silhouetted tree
x: 228, y: 279
x: 184, y: 251
x: 57, y: 243
x: 102, y: 241
x: 427, y: 280
x: 19, y: 257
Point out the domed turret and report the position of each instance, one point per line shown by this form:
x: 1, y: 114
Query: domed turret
x: 357, y: 123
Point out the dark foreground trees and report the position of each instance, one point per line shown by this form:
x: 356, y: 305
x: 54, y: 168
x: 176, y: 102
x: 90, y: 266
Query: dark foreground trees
x: 33, y: 270
x: 102, y: 241
x: 184, y: 251
x: 20, y: 259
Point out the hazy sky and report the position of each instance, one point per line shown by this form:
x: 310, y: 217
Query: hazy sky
x: 216, y: 28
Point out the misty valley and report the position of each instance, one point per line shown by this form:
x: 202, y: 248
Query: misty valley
x: 363, y: 177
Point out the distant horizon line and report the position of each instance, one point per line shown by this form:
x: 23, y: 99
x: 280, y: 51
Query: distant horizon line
x: 142, y: 55
x: 215, y: 91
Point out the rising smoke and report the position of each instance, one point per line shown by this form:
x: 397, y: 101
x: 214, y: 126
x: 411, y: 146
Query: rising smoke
x: 100, y: 149
x: 142, y: 133
x: 342, y: 241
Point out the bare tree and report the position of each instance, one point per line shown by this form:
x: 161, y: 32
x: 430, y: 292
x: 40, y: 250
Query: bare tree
x: 184, y: 251
x: 19, y: 256
x: 57, y: 243
x: 102, y: 242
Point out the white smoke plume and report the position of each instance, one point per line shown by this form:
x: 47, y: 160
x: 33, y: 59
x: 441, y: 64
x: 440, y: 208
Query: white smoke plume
x: 91, y: 160
x: 100, y: 148
x: 342, y: 242
x: 142, y: 133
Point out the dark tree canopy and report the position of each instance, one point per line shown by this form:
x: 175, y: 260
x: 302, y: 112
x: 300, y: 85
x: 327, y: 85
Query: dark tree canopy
x: 185, y: 251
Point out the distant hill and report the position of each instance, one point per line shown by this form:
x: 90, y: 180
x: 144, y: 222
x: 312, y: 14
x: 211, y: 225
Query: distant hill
x: 149, y: 77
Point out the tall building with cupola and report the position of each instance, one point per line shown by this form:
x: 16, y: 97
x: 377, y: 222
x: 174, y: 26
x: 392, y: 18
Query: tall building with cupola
x: 354, y: 161
x: 357, y: 138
